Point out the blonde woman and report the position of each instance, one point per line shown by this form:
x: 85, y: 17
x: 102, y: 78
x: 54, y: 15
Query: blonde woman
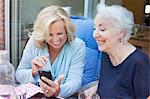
x: 53, y: 45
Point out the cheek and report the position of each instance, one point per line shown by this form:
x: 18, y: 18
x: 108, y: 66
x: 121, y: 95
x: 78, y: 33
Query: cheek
x: 64, y: 37
x: 108, y: 35
x: 105, y: 36
x: 48, y: 39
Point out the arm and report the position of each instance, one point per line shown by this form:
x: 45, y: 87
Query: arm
x: 88, y: 92
x: 24, y: 71
x: 75, y: 72
x: 141, y: 79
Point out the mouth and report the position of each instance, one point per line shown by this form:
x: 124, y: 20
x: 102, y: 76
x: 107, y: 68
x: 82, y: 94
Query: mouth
x: 56, y: 43
x: 101, y: 42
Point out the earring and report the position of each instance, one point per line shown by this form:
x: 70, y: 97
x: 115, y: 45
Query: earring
x: 120, y: 40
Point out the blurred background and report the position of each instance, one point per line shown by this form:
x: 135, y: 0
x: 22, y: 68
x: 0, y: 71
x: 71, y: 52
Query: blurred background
x: 17, y: 18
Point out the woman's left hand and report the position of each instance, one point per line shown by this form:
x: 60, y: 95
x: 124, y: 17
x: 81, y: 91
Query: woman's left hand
x: 51, y: 89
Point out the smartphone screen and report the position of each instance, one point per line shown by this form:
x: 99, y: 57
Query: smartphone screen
x: 45, y: 73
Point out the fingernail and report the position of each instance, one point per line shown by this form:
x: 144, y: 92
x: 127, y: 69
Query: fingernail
x: 43, y: 77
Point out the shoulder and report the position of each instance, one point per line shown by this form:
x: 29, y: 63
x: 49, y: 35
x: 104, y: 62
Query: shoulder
x: 138, y: 61
x: 140, y: 56
x: 77, y: 46
x: 31, y: 42
x: 77, y: 42
x: 31, y: 45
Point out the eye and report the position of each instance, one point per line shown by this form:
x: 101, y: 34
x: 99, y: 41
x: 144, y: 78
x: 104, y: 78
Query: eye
x: 94, y: 28
x: 60, y: 33
x: 50, y: 34
x: 102, y: 29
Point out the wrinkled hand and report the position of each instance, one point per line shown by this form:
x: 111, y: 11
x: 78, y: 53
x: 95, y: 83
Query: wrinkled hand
x: 148, y: 97
x: 38, y: 63
x: 89, y: 92
x: 51, y: 89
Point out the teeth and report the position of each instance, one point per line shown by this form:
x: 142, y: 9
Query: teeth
x: 56, y: 42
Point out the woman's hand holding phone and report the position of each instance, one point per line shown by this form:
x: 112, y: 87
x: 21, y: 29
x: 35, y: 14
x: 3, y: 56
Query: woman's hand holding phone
x: 49, y: 87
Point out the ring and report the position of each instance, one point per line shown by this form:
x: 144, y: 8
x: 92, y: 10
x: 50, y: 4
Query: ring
x: 46, y: 91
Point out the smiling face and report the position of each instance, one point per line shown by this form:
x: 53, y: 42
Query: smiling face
x: 57, y: 35
x: 107, y: 36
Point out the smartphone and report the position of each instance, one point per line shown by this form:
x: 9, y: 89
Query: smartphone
x: 45, y: 73
x: 42, y: 96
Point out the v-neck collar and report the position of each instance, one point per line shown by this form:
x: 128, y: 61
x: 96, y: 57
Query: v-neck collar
x: 54, y: 68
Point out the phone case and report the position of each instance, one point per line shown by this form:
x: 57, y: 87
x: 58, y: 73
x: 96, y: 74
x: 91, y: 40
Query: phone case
x: 44, y: 73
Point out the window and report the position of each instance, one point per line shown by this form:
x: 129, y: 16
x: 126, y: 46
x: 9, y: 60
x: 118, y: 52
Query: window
x: 24, y: 12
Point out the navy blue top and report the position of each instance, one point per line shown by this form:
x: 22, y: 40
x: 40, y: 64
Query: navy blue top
x: 130, y: 79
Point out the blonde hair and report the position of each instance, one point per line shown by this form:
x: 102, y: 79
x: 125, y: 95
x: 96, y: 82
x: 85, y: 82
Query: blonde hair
x: 45, y: 19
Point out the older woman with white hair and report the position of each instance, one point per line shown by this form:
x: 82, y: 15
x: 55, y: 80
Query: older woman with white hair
x: 125, y: 69
x: 54, y: 47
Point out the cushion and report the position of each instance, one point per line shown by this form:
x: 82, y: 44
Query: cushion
x: 90, y: 72
x: 84, y: 30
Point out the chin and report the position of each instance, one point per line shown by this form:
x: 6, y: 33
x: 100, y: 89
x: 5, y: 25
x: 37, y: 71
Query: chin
x: 102, y: 49
x: 57, y: 46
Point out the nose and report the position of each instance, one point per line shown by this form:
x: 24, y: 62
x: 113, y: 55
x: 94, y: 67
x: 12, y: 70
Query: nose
x: 55, y: 38
x: 96, y: 33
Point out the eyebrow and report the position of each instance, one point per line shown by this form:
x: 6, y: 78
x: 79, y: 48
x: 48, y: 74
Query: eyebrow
x: 99, y: 25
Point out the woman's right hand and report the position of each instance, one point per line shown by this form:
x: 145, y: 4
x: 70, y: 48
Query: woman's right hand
x: 38, y: 63
x: 51, y: 88
x: 89, y: 92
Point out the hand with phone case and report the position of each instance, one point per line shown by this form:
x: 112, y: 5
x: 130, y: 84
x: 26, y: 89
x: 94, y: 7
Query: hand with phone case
x: 49, y: 87
x: 45, y: 73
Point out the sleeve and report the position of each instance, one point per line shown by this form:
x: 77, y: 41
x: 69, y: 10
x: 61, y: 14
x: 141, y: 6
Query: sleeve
x: 75, y: 72
x: 141, y: 79
x: 24, y: 70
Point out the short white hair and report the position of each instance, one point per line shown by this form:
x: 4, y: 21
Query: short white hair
x: 124, y: 18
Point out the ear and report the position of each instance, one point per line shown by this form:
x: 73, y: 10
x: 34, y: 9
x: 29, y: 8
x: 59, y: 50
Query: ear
x: 122, y: 34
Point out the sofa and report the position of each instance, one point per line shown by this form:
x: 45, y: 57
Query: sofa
x: 84, y: 30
